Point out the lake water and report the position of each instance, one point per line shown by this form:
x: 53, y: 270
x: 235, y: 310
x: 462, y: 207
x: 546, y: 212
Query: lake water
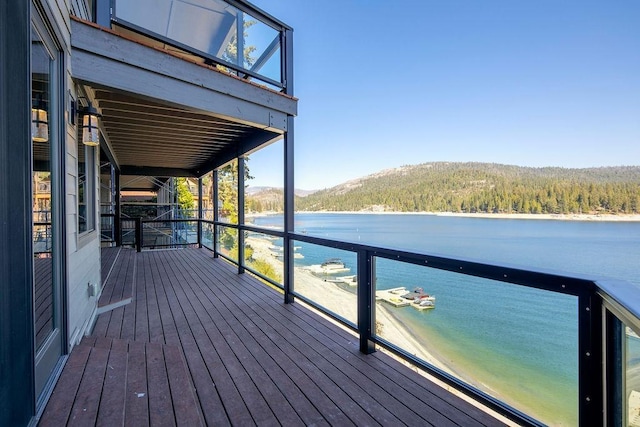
x: 516, y: 343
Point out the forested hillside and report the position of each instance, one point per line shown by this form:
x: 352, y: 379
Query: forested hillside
x: 485, y: 187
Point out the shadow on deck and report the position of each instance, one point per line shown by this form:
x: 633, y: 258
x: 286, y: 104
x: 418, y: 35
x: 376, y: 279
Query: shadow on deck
x: 201, y: 345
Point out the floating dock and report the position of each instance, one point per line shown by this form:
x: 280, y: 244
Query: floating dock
x: 395, y: 298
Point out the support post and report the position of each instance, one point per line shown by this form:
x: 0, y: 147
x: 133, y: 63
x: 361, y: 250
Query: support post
x: 216, y: 216
x: 200, y: 212
x: 117, y: 220
x: 139, y: 234
x: 289, y: 184
x: 240, y: 215
x: 289, y: 224
x: 366, y: 301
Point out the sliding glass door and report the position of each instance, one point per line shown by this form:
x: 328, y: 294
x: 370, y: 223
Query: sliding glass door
x: 46, y: 183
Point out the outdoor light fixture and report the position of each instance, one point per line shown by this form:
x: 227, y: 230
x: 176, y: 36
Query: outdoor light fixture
x: 39, y: 121
x: 90, y: 132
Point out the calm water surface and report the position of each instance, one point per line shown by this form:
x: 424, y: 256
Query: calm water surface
x: 516, y: 343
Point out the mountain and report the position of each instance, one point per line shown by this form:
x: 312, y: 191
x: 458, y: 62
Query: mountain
x: 484, y: 187
x: 252, y: 191
x: 261, y: 199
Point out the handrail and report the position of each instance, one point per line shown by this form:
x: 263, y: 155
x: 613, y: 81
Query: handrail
x: 622, y: 299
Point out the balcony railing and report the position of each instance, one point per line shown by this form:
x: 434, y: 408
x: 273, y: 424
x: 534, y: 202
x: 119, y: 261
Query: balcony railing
x: 599, y: 320
x: 232, y: 35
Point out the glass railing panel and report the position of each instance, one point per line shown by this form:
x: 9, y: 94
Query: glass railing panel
x: 264, y: 195
x: 327, y: 277
x: 262, y: 49
x: 517, y: 344
x: 206, y: 235
x: 263, y: 254
x: 42, y: 238
x: 128, y: 232
x: 107, y: 230
x: 158, y: 234
x: 212, y: 27
x: 227, y: 243
x: 632, y: 377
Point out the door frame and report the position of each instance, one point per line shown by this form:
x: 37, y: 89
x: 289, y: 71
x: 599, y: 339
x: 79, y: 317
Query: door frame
x: 48, y: 361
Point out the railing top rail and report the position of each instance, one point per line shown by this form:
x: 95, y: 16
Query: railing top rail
x: 623, y: 299
x: 562, y: 282
x: 259, y: 14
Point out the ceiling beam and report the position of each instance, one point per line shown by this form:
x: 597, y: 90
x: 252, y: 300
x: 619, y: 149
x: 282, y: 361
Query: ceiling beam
x: 155, y: 171
x: 246, y: 146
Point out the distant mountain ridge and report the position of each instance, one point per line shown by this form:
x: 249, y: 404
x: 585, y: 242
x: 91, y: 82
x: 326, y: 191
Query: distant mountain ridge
x: 484, y: 187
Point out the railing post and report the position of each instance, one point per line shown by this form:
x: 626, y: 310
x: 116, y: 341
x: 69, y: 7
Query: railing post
x: 200, y: 212
x: 366, y: 301
x: 591, y: 368
x: 240, y: 215
x: 614, y: 366
x: 216, y: 217
x: 138, y: 234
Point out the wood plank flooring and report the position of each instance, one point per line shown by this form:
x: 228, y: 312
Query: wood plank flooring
x: 209, y: 346
x: 118, y: 276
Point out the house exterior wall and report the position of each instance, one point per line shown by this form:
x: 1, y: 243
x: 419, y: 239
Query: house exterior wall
x: 83, y: 250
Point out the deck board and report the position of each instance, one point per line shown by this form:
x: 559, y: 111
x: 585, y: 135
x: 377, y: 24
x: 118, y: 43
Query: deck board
x: 118, y: 276
x: 200, y: 344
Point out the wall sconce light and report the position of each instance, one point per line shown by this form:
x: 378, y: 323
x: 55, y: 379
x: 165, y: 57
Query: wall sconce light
x: 90, y: 131
x: 39, y: 121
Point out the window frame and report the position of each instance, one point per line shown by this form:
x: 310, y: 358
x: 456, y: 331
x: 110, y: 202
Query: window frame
x: 89, y: 193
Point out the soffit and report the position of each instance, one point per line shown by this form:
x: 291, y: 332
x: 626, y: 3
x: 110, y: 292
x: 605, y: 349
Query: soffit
x: 150, y: 135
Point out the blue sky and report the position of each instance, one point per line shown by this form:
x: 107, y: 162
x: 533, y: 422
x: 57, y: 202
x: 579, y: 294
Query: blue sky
x: 388, y: 83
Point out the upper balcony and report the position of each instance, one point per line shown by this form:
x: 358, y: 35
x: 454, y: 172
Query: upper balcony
x: 210, y: 32
x: 175, y: 96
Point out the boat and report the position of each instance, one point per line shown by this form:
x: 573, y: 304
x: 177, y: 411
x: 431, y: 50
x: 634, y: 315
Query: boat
x: 422, y: 304
x: 418, y: 293
x: 333, y: 264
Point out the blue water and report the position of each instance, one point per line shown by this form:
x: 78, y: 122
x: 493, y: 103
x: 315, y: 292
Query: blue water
x: 516, y: 343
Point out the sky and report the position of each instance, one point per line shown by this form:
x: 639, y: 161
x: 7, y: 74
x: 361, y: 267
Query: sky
x: 382, y: 84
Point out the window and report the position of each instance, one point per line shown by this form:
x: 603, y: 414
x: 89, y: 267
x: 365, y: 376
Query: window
x: 86, y: 187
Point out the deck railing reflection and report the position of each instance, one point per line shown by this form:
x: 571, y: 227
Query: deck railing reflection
x: 601, y: 318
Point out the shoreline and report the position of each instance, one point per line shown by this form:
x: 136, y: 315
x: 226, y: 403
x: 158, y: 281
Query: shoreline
x: 554, y: 217
x: 548, y: 217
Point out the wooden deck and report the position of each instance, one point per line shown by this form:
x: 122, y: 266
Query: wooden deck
x: 118, y: 277
x: 201, y: 345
